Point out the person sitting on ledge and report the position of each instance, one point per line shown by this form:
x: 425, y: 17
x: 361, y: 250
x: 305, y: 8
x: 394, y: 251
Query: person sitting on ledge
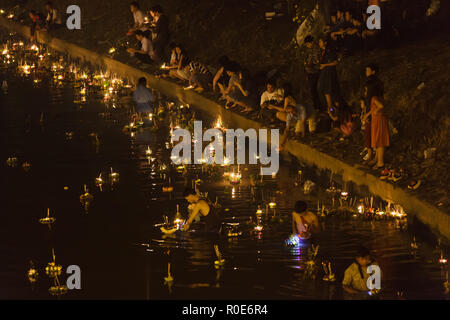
x: 37, y: 23
x: 178, y: 62
x: 304, y: 222
x: 144, y: 54
x: 138, y: 17
x: 221, y: 78
x: 270, y: 97
x: 200, y: 76
x: 235, y: 94
x: 53, y: 20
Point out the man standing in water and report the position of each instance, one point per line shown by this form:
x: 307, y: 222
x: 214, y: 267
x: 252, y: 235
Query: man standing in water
x: 209, y: 216
x: 144, y: 99
x: 304, y: 223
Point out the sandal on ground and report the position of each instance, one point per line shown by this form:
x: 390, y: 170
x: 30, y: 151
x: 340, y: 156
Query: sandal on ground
x: 396, y: 175
x: 414, y: 185
x: 386, y: 174
x: 377, y: 167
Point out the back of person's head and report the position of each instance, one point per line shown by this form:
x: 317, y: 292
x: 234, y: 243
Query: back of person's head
x: 49, y: 4
x: 33, y: 12
x: 224, y: 61
x: 142, y: 81
x: 309, y: 39
x: 287, y: 87
x: 300, y: 206
x: 157, y: 9
x: 173, y: 45
x: 362, y: 252
x: 189, y: 192
x: 374, y: 89
x: 373, y: 67
x: 233, y: 67
x: 139, y: 33
x: 135, y: 4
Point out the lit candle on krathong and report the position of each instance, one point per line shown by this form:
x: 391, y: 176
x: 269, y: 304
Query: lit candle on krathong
x: 112, y: 50
x: 442, y: 260
x: 32, y: 273
x: 10, y: 16
x: 259, y: 214
x: 235, y: 178
x: 148, y: 152
x: 169, y: 277
x: 114, y: 175
x: 34, y: 48
x: 99, y: 182
x: 178, y: 219
x: 272, y: 205
x: 86, y: 199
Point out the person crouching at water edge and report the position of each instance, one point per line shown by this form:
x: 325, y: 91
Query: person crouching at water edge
x: 356, y: 276
x: 207, y: 212
x: 304, y: 223
x: 210, y: 218
x: 144, y: 99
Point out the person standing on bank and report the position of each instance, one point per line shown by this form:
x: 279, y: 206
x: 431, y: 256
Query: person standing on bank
x: 312, y: 68
x: 160, y: 33
x: 53, y: 20
x: 371, y: 75
x: 380, y: 125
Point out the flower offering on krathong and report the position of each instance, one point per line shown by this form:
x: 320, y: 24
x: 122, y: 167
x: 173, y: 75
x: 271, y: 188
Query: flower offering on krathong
x: 12, y: 162
x: 32, y: 273
x: 52, y: 269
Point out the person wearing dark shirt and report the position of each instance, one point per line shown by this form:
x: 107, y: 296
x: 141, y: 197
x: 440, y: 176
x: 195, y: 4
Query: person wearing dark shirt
x: 160, y: 32
x: 312, y: 68
x: 37, y: 23
x: 328, y: 84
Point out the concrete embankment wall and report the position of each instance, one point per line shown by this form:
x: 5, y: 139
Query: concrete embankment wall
x: 437, y: 220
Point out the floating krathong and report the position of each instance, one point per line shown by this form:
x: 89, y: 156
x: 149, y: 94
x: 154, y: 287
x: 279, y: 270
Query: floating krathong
x: 32, y: 273
x: 53, y: 270
x: 114, y: 176
x: 86, y: 199
x: 47, y: 220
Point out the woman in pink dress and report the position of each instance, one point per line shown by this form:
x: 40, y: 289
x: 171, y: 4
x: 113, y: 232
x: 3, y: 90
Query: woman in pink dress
x: 380, y: 126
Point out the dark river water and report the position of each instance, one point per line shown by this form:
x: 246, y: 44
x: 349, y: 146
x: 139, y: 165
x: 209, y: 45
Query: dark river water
x: 122, y: 255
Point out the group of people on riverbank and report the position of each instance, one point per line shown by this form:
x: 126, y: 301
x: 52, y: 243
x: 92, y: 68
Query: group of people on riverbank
x: 277, y: 105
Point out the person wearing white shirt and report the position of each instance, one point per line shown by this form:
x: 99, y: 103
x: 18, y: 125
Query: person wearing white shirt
x: 270, y: 97
x: 144, y: 54
x: 138, y: 18
x: 53, y: 20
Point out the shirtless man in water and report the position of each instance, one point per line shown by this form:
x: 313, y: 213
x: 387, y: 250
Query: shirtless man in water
x: 304, y: 222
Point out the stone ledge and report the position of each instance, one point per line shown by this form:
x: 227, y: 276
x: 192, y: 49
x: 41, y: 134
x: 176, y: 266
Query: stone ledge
x: 437, y: 220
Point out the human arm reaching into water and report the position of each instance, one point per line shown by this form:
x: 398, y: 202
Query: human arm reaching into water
x: 200, y: 207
